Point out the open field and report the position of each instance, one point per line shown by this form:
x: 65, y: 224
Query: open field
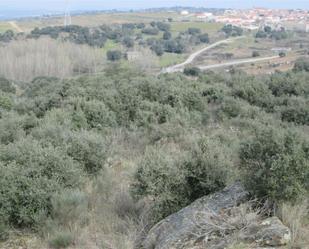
x: 97, y: 19
x: 207, y: 27
x: 4, y: 26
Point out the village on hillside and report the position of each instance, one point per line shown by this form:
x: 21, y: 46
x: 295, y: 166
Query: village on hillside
x: 253, y: 19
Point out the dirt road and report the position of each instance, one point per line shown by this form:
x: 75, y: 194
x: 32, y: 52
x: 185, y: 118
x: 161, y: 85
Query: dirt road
x: 15, y: 26
x: 237, y: 62
x: 192, y: 57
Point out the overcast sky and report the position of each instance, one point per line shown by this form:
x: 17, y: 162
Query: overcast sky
x: 58, y: 5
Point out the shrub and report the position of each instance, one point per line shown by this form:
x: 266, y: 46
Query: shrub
x: 6, y: 102
x: 174, y: 184
x: 22, y: 195
x: 150, y: 31
x: 69, y: 207
x: 255, y: 54
x: 296, y: 110
x: 114, y: 55
x: 11, y: 127
x: 30, y: 174
x: 204, y: 38
x: 6, y: 86
x: 128, y: 42
x: 231, y: 107
x: 301, y: 64
x: 167, y: 35
x: 60, y: 240
x: 98, y: 115
x: 193, y: 31
x: 89, y: 149
x: 192, y: 71
x: 276, y: 164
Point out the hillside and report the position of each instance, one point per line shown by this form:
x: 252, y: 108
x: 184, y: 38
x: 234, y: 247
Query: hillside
x: 152, y: 130
x: 79, y: 156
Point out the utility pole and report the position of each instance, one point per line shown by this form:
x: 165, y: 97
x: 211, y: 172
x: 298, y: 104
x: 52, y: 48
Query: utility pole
x: 67, y: 14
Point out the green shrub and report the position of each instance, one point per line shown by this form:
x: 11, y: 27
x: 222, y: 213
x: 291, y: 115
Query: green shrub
x: 231, y: 107
x: 114, y: 55
x: 23, y: 194
x: 11, y: 127
x: 301, y: 64
x: 296, y: 110
x: 98, y: 115
x: 30, y: 174
x: 276, y: 164
x: 6, y: 102
x: 174, y: 183
x: 6, y: 86
x: 89, y: 149
x: 192, y: 71
x: 61, y: 240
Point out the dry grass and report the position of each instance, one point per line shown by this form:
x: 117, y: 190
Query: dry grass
x: 296, y: 217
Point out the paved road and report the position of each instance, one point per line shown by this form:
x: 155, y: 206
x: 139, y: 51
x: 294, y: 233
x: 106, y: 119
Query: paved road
x: 238, y: 62
x: 192, y: 57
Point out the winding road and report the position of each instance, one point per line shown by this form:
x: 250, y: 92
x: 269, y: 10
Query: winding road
x: 192, y: 57
x: 15, y: 26
x: 238, y: 62
x: 180, y: 67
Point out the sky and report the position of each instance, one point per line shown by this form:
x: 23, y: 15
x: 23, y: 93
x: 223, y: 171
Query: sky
x: 59, y: 5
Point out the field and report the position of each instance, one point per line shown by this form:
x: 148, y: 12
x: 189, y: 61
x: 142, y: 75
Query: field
x: 207, y: 27
x: 4, y: 26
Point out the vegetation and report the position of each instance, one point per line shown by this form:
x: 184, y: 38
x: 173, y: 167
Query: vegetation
x: 93, y: 153
x: 267, y: 32
x: 231, y: 30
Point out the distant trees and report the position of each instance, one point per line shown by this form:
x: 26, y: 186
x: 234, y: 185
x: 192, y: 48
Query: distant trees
x: 261, y: 34
x: 163, y: 26
x: 7, y: 36
x: 150, y: 31
x: 27, y: 59
x: 114, y: 55
x: 6, y: 85
x: 128, y: 42
x: 255, y: 54
x: 158, y: 48
x: 76, y: 34
x: 192, y: 71
x: 301, y: 64
x: 268, y: 32
x: 167, y: 35
x: 231, y: 30
x: 204, y: 38
x: 193, y: 31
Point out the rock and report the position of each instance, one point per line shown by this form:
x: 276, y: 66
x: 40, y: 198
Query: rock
x: 194, y: 224
x: 273, y: 233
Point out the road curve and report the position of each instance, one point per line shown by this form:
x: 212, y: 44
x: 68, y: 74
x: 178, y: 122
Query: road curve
x: 191, y: 58
x: 238, y: 62
x: 15, y: 26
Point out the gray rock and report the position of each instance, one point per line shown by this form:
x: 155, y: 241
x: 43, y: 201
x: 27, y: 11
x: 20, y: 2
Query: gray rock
x: 191, y: 226
x: 273, y: 233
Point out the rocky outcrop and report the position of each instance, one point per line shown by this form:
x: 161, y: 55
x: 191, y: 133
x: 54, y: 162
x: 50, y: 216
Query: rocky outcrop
x: 270, y: 232
x: 218, y: 221
x: 190, y: 226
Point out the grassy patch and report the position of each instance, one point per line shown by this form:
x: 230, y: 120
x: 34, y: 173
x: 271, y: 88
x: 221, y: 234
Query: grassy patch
x: 204, y: 26
x: 169, y: 59
x: 110, y: 45
x: 4, y: 26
